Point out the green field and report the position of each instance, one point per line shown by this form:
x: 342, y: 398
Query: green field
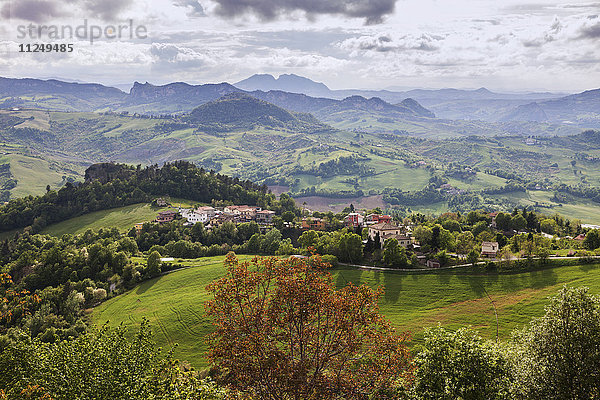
x: 123, y: 218
x: 174, y: 302
x: 587, y: 211
x: 33, y: 174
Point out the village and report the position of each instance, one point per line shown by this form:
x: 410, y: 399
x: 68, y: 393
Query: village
x: 212, y: 216
x: 375, y: 229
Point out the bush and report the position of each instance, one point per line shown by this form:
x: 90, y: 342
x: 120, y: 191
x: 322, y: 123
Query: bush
x: 459, y: 365
x: 330, y: 259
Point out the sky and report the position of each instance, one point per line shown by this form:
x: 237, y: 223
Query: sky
x: 503, y: 45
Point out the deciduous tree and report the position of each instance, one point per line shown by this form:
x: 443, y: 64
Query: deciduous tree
x: 459, y: 365
x: 284, y: 332
x: 558, y: 355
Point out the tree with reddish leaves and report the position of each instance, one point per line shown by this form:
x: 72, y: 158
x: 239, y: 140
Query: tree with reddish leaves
x: 283, y: 331
x: 14, y: 303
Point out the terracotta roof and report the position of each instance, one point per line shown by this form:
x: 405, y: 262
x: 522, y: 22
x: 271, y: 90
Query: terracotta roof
x: 384, y: 226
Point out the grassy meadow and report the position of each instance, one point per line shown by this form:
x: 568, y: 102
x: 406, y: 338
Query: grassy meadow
x: 123, y: 218
x: 174, y: 303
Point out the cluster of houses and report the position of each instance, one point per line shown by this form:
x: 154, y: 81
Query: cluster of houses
x: 212, y: 216
x: 383, y: 227
x: 380, y: 227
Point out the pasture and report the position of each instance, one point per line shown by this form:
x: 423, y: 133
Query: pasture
x: 174, y: 302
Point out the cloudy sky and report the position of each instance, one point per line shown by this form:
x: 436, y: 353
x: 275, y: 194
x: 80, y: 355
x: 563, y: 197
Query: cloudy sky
x: 504, y: 45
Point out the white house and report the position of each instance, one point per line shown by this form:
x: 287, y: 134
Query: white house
x: 489, y: 249
x: 193, y: 216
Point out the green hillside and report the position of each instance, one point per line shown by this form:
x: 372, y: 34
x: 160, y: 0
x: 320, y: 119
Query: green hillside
x: 122, y: 218
x: 174, y: 302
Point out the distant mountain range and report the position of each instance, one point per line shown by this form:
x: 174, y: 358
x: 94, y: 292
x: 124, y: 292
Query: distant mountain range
x: 581, y: 108
x: 300, y: 94
x: 480, y: 104
x: 181, y: 97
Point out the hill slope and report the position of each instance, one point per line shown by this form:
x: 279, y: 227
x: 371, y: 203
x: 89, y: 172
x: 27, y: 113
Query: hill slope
x: 582, y: 109
x: 57, y: 95
x: 174, y: 303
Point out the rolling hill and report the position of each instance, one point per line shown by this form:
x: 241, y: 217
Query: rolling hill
x: 293, y: 141
x: 57, y: 95
x: 582, y: 109
x: 174, y: 303
x: 242, y: 111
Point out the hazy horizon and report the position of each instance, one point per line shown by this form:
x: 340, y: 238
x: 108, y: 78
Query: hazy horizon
x: 126, y: 86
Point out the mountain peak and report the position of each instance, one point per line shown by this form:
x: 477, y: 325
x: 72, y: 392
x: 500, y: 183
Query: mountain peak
x: 285, y: 82
x: 416, y: 108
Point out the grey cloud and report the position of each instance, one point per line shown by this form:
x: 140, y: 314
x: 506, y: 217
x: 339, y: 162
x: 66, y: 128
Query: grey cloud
x: 548, y: 36
x: 590, y: 31
x: 373, y: 11
x: 538, y: 42
x: 196, y: 9
x: 31, y: 10
x: 592, y: 16
x: 44, y: 10
x: 107, y: 9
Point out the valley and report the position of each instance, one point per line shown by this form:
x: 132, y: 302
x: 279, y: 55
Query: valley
x: 299, y: 200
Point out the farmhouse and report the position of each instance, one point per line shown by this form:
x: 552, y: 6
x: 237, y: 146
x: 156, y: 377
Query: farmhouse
x: 208, y: 210
x: 193, y: 216
x: 387, y: 231
x: 316, y: 224
x: 243, y: 209
x: 220, y: 218
x: 377, y: 218
x: 403, y: 240
x: 489, y: 249
x: 354, y: 220
x: 493, y: 215
x: 265, y: 216
x: 166, y: 216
